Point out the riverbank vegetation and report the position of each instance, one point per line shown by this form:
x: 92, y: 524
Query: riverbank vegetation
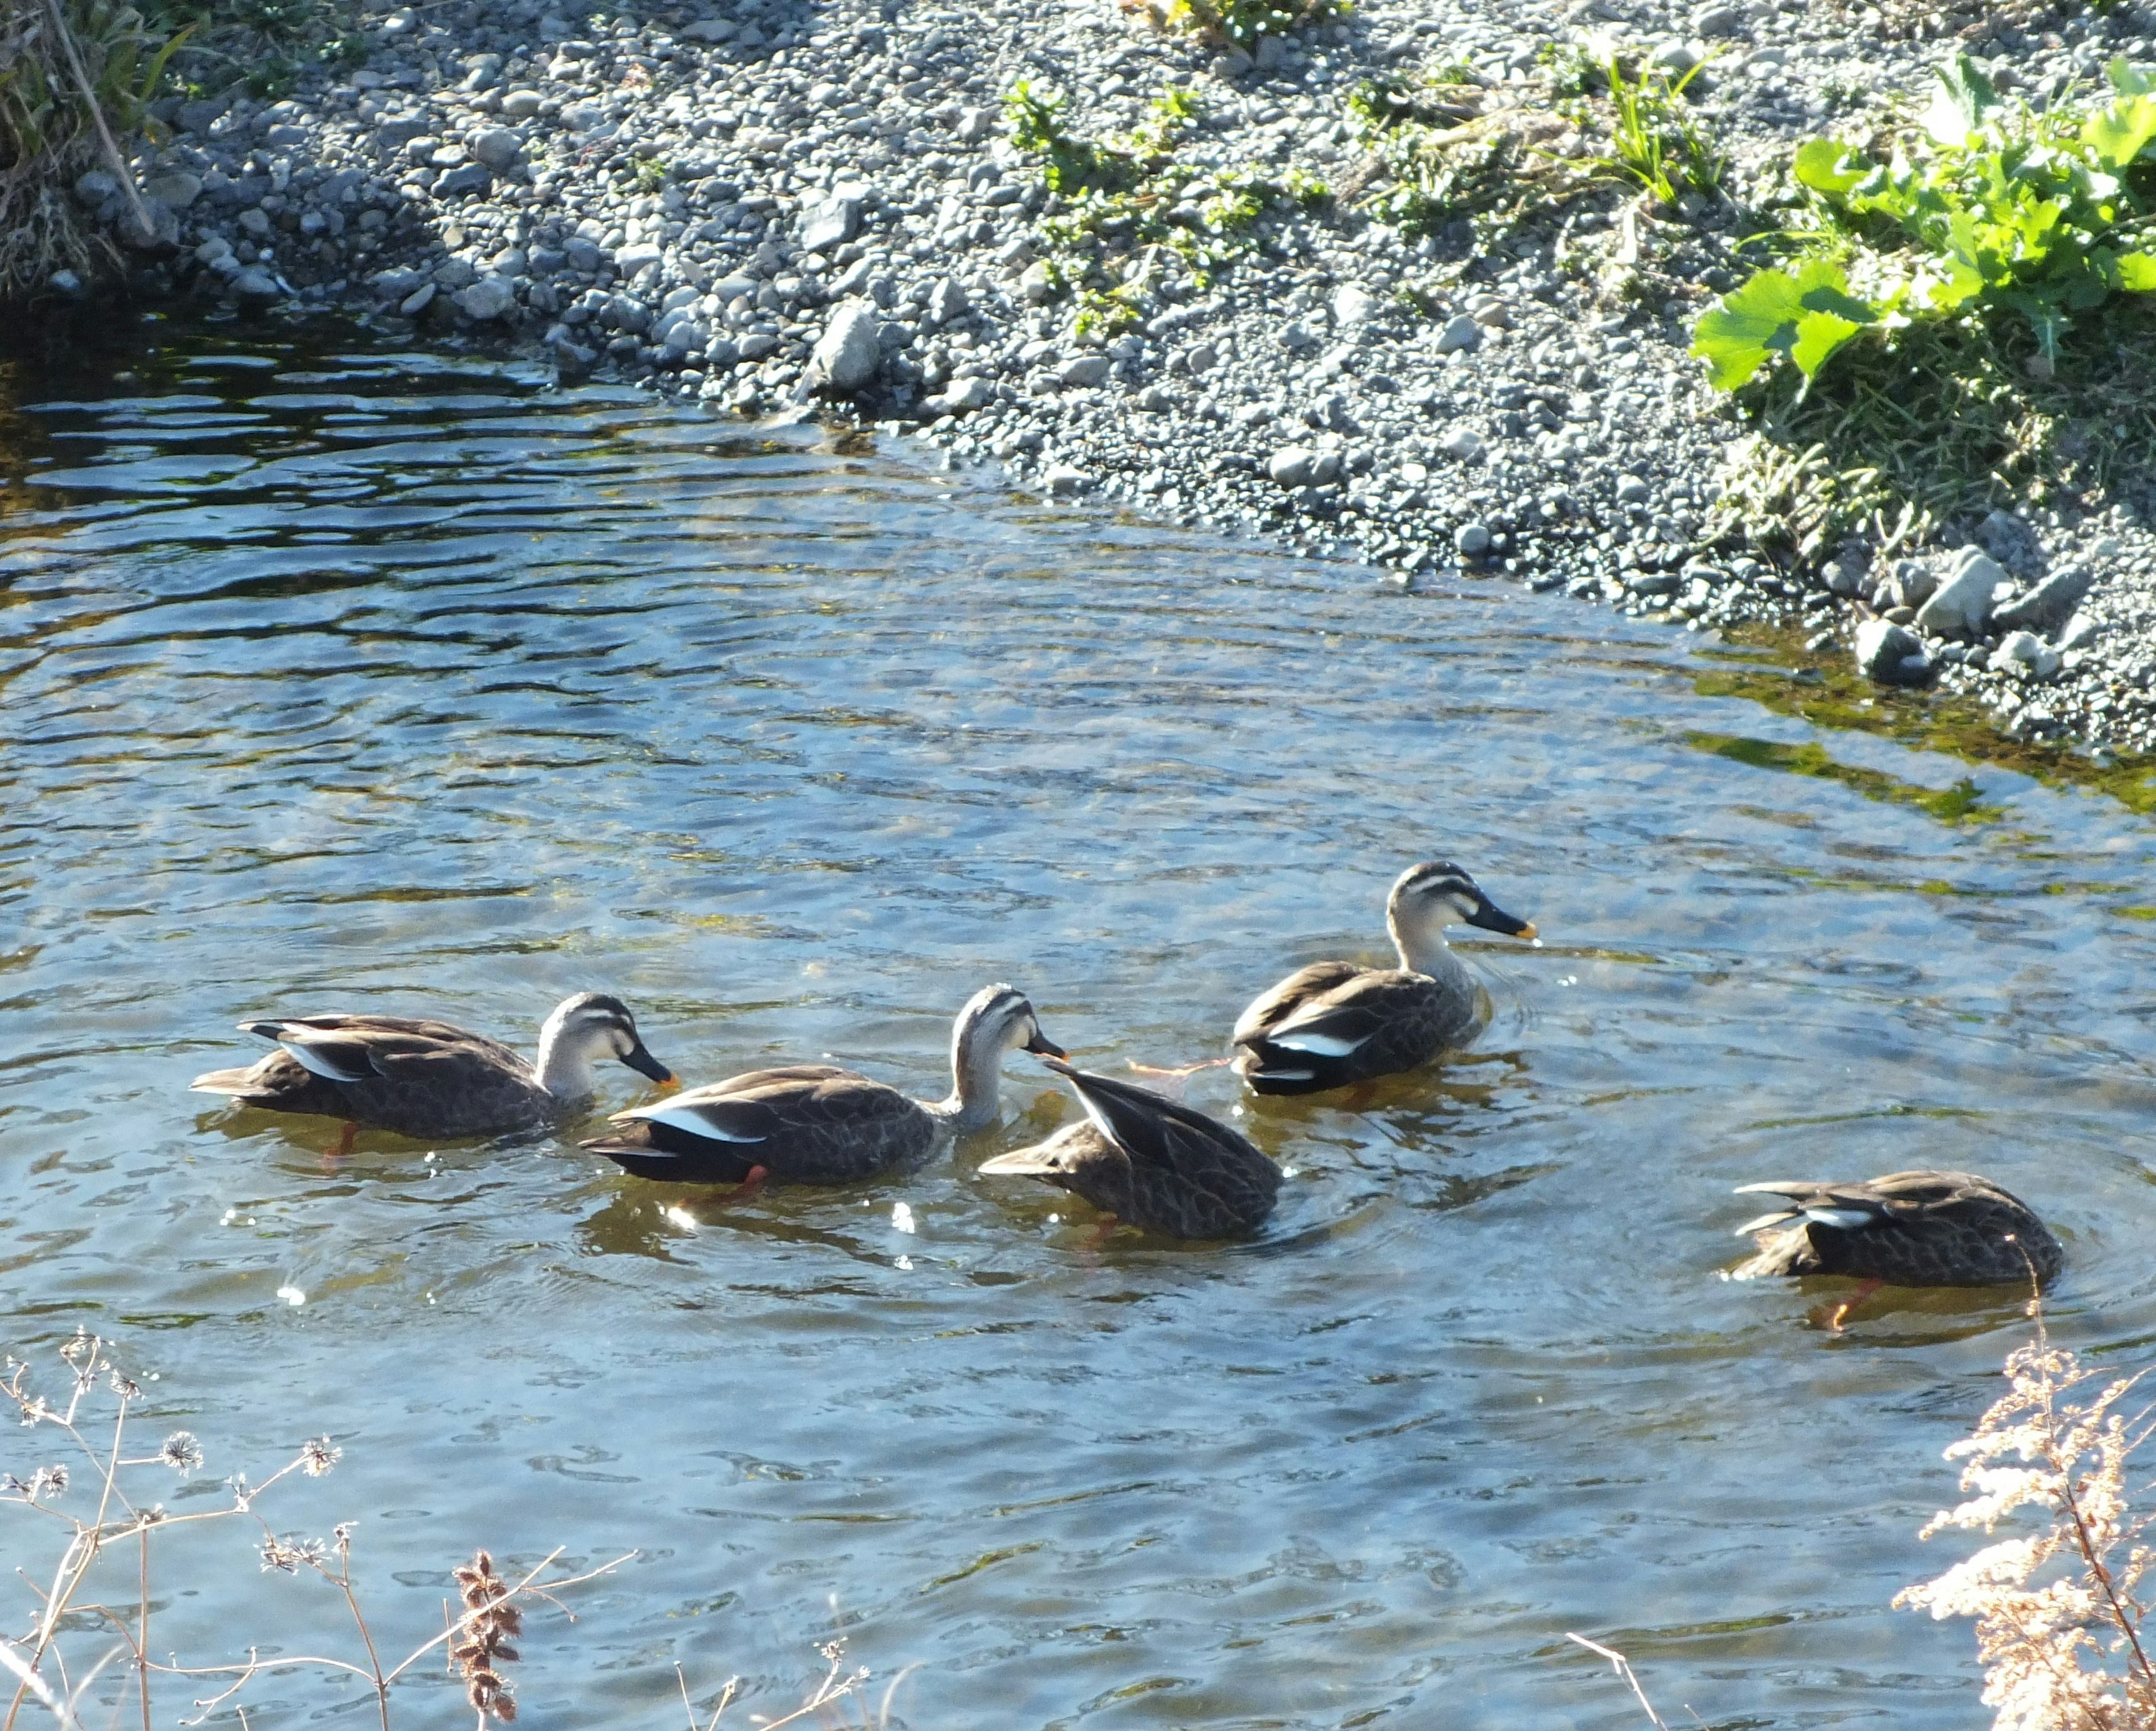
x: 1956, y: 316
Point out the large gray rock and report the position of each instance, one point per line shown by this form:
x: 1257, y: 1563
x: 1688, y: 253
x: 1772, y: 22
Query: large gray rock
x: 1961, y: 607
x: 176, y: 191
x: 847, y: 354
x: 831, y: 223
x: 2050, y: 603
x: 2025, y: 655
x: 496, y: 147
x: 491, y: 297
x: 1292, y: 465
x: 1460, y: 332
x: 1083, y: 371
x: 1890, y: 655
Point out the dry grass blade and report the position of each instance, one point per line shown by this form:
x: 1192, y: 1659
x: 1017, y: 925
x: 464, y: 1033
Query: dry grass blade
x: 1622, y: 1667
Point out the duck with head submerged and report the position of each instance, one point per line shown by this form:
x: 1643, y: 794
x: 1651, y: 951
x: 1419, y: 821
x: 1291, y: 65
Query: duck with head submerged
x: 1335, y: 1023
x: 817, y: 1124
x: 431, y: 1078
x: 1142, y: 1158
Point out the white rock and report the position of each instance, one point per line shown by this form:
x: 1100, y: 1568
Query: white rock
x: 2049, y: 602
x: 522, y: 104
x: 1061, y: 478
x: 847, y: 354
x: 1460, y: 331
x: 1292, y: 465
x: 1036, y: 285
x: 966, y: 394
x: 2025, y: 655
x: 831, y: 224
x: 2081, y: 631
x: 636, y: 256
x: 947, y: 301
x: 1961, y: 606
x: 1351, y: 304
x: 1472, y: 539
x: 1084, y: 370
x: 1462, y: 443
x: 1492, y: 313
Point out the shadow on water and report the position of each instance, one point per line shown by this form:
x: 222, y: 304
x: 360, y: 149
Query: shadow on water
x: 332, y: 674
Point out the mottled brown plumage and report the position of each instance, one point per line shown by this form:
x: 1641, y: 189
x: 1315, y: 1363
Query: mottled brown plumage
x: 1334, y: 1022
x: 431, y: 1078
x: 817, y: 1124
x: 1151, y: 1162
x: 1908, y: 1229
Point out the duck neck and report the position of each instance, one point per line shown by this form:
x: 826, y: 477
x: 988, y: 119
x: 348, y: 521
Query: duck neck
x: 564, y: 1066
x: 1423, y: 948
x: 976, y: 1086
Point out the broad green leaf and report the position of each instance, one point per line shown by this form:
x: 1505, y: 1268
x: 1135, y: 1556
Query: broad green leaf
x: 1826, y: 165
x: 1819, y: 335
x: 1772, y: 314
x: 2137, y: 273
x: 2122, y: 131
x: 1965, y: 95
x: 2129, y: 81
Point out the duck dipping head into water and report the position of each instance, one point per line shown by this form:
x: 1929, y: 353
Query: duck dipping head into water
x: 1334, y: 1022
x: 817, y: 1124
x: 433, y: 1079
x: 1140, y: 1158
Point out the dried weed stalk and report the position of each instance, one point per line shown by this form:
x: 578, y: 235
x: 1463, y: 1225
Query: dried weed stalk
x: 79, y: 1627
x: 2059, y: 1618
x: 833, y: 1700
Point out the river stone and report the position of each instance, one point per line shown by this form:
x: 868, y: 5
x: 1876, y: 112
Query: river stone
x: 257, y: 285
x: 2081, y: 631
x: 2050, y: 602
x: 947, y: 301
x: 582, y: 254
x: 1084, y: 371
x: 2025, y: 655
x: 1062, y: 477
x: 1961, y: 605
x: 1460, y: 331
x: 1462, y: 443
x: 1292, y: 465
x: 847, y: 354
x: 638, y: 256
x: 491, y: 297
x: 831, y: 223
x: 496, y: 147
x: 176, y: 190
x: 1351, y: 304
x: 967, y: 393
x: 1891, y: 655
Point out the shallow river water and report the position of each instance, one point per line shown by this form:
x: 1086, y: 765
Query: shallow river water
x: 334, y: 677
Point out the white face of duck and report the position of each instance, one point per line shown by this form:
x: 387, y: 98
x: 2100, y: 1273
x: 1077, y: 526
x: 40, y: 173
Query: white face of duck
x: 996, y: 1020
x: 1427, y: 898
x: 581, y: 1030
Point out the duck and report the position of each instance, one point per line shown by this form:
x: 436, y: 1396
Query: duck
x: 1335, y: 1023
x: 1147, y: 1160
x: 818, y: 1124
x: 434, y: 1080
x: 1908, y: 1229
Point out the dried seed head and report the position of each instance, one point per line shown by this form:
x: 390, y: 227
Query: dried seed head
x: 180, y: 1451
x: 317, y: 1454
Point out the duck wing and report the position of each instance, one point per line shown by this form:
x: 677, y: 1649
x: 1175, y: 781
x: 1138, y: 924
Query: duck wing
x: 1341, y: 1024
x: 803, y: 1123
x: 1913, y: 1229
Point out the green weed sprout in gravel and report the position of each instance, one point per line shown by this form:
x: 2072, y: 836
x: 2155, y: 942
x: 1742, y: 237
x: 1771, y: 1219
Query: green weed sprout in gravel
x: 1117, y: 202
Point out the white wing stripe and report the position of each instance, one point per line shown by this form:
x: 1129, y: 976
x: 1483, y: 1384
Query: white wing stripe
x: 688, y: 1118
x: 1319, y: 1046
x: 317, y: 1063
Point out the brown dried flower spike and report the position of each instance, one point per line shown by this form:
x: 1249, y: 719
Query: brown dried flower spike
x: 482, y: 1644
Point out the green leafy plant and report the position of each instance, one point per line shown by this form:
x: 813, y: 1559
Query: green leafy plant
x: 1989, y: 208
x: 1440, y: 157
x: 650, y: 175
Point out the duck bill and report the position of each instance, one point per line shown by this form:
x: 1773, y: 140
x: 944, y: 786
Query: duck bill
x: 1042, y: 1046
x: 1491, y: 917
x: 638, y: 1058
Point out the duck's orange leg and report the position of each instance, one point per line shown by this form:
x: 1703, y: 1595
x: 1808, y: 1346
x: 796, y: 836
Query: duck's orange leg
x: 1833, y: 1316
x: 346, y: 1137
x: 750, y: 1185
x: 1179, y: 1069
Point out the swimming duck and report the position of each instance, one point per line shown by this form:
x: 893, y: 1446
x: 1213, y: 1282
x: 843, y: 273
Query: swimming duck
x: 1147, y: 1160
x: 431, y: 1079
x: 817, y: 1124
x: 1912, y: 1229
x: 1334, y: 1022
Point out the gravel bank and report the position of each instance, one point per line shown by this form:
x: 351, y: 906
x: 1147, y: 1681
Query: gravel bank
x: 700, y: 199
